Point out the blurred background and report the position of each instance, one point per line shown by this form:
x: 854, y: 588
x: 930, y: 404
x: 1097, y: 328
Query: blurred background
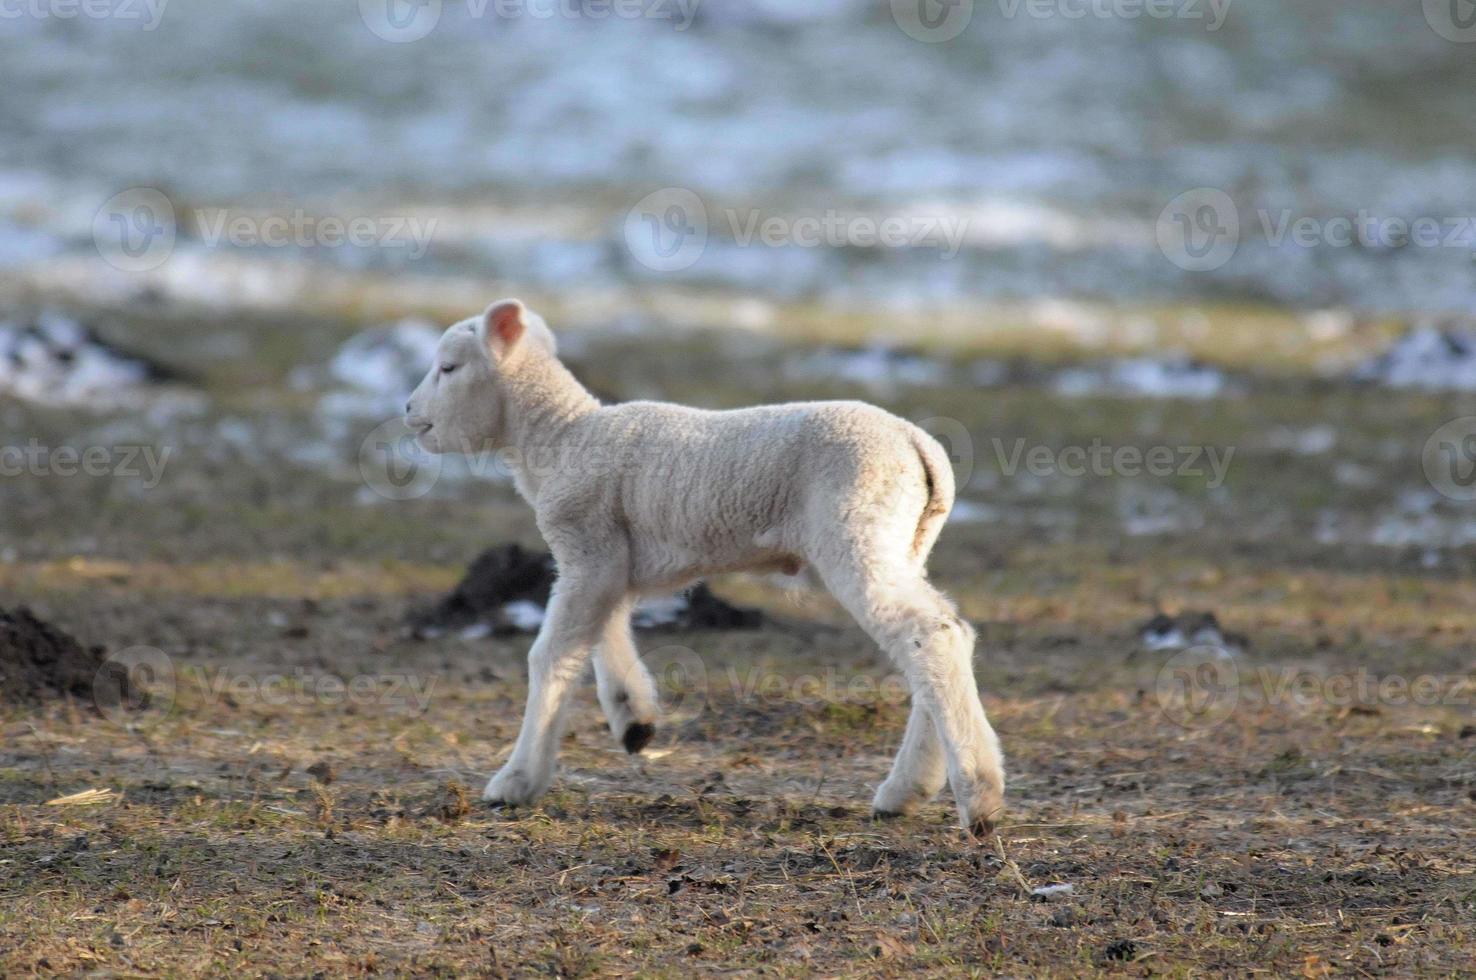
x: 1054, y: 132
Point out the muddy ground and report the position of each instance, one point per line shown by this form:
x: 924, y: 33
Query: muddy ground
x: 298, y: 794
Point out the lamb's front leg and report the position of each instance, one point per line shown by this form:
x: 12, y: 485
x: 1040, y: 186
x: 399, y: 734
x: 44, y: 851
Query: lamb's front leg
x: 577, y: 612
x: 626, y: 689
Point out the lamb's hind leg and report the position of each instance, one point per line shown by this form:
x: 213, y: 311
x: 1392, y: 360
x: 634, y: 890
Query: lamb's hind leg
x: 924, y: 635
x: 919, y: 771
x: 626, y: 690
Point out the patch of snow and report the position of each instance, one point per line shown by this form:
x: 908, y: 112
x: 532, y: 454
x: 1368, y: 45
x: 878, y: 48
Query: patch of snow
x: 1313, y: 441
x: 658, y: 611
x: 877, y: 368
x: 53, y: 359
x: 972, y: 512
x: 1428, y: 358
x: 1146, y: 512
x: 524, y: 615
x: 1144, y: 377
x: 393, y: 357
x: 988, y: 373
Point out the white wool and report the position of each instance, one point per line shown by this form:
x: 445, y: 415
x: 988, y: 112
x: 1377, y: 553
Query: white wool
x: 648, y: 497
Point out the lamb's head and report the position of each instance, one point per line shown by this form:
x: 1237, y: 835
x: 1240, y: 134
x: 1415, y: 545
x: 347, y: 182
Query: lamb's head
x: 460, y: 406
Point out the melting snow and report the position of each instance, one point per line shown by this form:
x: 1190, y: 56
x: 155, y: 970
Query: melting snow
x: 1426, y: 357
x: 1144, y: 377
x: 55, y: 359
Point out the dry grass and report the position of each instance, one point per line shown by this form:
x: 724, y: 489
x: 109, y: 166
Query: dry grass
x: 1285, y: 839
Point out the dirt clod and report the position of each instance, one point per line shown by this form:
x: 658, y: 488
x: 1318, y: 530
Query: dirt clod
x: 497, y: 577
x: 322, y: 771
x: 39, y: 662
x: 506, y: 588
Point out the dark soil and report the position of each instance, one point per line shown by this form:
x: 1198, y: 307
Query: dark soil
x: 705, y: 611
x: 497, y: 576
x: 39, y: 662
x: 511, y: 573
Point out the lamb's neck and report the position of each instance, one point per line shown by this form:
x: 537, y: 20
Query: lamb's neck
x: 542, y: 401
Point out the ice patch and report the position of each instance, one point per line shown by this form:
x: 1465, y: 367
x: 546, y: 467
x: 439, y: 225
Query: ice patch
x: 53, y: 359
x: 524, y: 616
x: 877, y: 368
x: 1147, y: 512
x: 1143, y: 377
x: 972, y: 512
x: 1427, y: 357
x: 387, y: 359
x: 1313, y: 441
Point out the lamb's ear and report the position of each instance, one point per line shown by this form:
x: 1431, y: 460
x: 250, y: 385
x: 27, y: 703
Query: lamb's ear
x: 503, y: 326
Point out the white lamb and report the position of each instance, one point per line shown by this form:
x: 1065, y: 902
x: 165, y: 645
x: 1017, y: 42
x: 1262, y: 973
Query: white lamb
x: 648, y: 497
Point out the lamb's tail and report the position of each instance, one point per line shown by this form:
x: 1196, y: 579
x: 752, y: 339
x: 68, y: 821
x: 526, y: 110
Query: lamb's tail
x: 938, y: 472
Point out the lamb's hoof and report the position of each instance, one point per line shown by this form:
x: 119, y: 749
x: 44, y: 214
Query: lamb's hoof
x: 512, y: 787
x: 981, y: 829
x: 886, y: 815
x: 638, y: 735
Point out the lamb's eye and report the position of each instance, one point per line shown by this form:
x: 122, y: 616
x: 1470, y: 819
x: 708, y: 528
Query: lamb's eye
x: 447, y: 368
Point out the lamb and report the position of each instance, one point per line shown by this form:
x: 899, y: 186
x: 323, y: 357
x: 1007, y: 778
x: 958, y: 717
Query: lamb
x: 647, y: 497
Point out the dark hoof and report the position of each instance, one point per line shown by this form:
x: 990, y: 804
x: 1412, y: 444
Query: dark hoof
x: 886, y: 815
x: 637, y: 736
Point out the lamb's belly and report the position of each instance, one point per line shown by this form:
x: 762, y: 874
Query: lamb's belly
x: 670, y: 565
